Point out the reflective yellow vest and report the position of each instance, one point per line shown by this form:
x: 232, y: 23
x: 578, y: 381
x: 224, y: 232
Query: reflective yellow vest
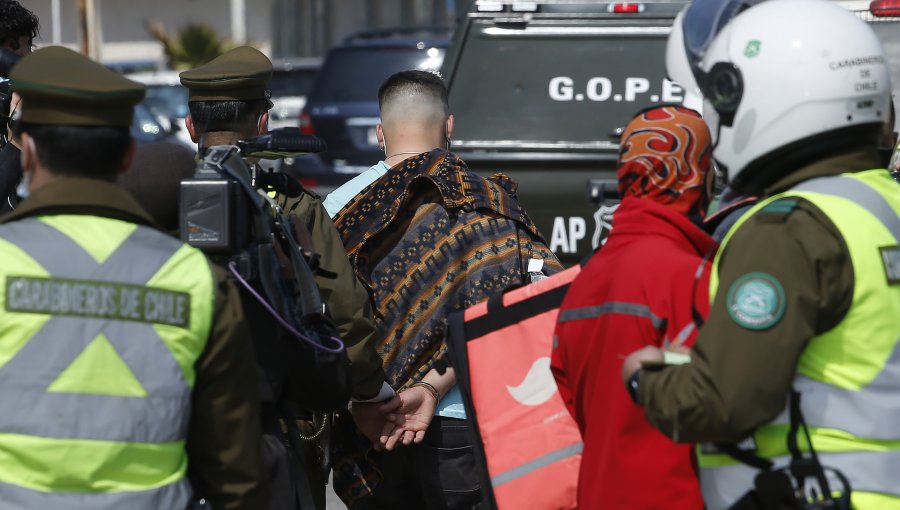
x: 849, y: 376
x: 101, y: 322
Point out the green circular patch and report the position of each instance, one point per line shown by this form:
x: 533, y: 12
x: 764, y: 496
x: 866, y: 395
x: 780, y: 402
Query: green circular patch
x: 756, y: 301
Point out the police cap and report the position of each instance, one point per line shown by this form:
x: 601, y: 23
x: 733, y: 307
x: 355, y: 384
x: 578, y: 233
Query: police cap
x: 241, y: 74
x: 61, y: 87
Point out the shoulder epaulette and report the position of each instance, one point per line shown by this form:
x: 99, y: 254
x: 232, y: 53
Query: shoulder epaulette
x: 782, y: 207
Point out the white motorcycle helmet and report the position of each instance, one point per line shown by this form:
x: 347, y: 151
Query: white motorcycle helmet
x: 779, y: 76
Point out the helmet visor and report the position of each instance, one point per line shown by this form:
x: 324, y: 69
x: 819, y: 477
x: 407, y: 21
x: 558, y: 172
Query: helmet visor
x: 704, y: 19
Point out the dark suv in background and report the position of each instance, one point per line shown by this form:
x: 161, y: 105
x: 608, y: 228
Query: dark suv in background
x: 342, y: 107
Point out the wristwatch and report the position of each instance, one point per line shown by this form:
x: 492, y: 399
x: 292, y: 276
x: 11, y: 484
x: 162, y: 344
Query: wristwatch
x: 632, y: 385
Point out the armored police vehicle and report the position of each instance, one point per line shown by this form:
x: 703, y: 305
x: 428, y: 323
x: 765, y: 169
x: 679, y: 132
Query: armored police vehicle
x: 884, y: 18
x: 541, y: 91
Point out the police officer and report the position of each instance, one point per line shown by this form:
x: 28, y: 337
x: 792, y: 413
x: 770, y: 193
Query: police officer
x: 803, y: 332
x: 125, y: 356
x: 228, y: 102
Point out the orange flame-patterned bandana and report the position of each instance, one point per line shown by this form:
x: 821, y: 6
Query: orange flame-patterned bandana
x: 665, y: 157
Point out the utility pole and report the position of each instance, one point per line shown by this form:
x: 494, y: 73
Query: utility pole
x: 287, y: 29
x: 95, y: 29
x: 90, y: 30
x: 238, y: 21
x: 83, y: 25
x: 56, y: 18
x: 320, y: 29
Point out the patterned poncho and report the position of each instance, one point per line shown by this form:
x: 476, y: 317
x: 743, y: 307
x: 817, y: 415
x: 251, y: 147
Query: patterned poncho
x: 428, y: 238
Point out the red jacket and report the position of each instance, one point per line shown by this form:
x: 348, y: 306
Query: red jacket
x: 638, y: 290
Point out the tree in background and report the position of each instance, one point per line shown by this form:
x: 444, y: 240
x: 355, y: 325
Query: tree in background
x: 194, y: 45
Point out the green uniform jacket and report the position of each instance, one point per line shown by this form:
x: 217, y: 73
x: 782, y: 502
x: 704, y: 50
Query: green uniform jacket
x: 223, y: 442
x: 345, y: 297
x: 740, y: 378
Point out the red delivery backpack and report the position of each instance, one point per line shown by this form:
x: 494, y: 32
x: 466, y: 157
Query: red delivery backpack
x: 528, y: 446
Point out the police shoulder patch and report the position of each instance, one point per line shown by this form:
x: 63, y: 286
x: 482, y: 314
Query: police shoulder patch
x: 756, y: 301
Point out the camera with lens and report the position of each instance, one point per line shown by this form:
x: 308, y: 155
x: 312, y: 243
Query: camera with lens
x: 219, y: 204
x: 7, y: 60
x: 227, y: 210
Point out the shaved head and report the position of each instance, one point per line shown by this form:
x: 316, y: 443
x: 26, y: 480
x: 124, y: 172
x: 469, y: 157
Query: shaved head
x: 414, y: 97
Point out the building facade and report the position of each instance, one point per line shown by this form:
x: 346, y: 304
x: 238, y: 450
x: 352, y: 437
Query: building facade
x: 118, y: 29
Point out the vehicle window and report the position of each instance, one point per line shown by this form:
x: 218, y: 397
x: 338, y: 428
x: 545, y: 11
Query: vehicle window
x: 354, y: 74
x: 550, y: 85
x: 295, y: 82
x: 167, y: 100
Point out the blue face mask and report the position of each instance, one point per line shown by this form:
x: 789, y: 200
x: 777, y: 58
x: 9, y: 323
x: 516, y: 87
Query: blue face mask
x: 22, y: 188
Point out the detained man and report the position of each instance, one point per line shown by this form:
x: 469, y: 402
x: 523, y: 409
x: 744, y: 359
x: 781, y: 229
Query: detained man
x: 428, y: 237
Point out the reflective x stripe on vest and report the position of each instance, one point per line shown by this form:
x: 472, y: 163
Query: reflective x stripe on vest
x: 142, y: 431
x: 849, y: 376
